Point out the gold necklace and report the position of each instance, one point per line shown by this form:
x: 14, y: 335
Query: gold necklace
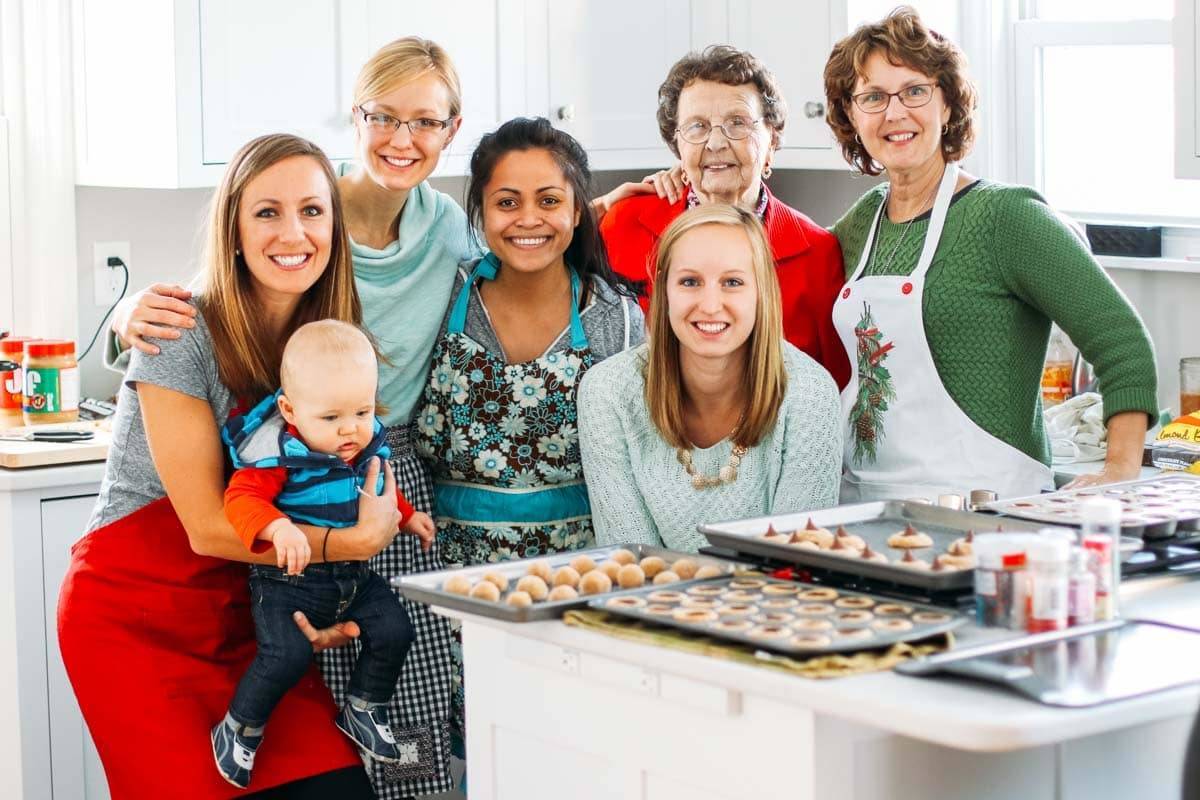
x: 726, y: 474
x: 904, y: 232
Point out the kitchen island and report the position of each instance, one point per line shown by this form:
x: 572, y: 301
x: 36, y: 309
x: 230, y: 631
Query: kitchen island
x: 555, y: 712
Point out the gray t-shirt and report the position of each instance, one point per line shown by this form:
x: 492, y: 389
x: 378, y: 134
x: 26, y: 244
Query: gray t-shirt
x: 186, y: 365
x: 611, y: 321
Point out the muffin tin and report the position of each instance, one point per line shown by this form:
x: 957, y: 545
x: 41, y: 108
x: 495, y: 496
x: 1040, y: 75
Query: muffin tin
x: 799, y: 619
x: 426, y: 587
x: 1154, y: 508
x: 874, y: 523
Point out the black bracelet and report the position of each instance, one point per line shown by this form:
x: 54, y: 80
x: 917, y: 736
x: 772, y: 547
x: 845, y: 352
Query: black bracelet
x: 325, y: 541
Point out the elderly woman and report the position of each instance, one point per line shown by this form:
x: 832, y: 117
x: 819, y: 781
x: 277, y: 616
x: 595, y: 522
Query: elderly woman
x: 722, y: 114
x: 716, y: 417
x: 953, y: 284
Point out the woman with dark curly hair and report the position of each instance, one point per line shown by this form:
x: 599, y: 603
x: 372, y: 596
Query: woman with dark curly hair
x: 953, y: 284
x: 722, y: 114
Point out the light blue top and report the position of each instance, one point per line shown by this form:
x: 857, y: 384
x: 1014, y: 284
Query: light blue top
x: 405, y: 288
x: 641, y: 493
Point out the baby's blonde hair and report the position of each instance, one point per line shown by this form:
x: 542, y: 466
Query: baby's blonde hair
x: 318, y: 343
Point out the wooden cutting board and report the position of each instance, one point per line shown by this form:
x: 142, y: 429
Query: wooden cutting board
x: 18, y: 455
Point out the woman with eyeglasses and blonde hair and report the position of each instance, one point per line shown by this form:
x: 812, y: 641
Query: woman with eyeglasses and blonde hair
x: 953, y: 284
x: 406, y: 241
x: 716, y: 416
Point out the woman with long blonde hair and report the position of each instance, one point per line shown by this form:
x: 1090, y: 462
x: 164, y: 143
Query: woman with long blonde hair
x: 716, y: 416
x: 154, y: 616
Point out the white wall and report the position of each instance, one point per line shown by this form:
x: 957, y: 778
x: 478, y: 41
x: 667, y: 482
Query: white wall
x: 163, y: 228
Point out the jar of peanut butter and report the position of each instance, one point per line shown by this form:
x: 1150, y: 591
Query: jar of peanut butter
x: 12, y: 381
x: 51, y: 382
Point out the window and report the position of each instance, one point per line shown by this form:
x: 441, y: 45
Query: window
x: 1095, y: 110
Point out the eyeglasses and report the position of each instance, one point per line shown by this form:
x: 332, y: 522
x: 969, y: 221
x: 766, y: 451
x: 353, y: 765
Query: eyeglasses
x: 379, y: 122
x: 734, y: 128
x: 875, y: 101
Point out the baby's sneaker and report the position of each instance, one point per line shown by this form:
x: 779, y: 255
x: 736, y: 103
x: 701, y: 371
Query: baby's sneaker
x: 367, y: 725
x: 233, y: 750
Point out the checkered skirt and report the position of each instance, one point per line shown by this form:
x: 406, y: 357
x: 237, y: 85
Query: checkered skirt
x: 420, y: 710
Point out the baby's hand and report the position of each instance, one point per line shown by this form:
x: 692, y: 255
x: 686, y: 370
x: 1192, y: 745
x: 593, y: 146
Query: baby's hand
x: 291, y: 548
x: 421, y: 524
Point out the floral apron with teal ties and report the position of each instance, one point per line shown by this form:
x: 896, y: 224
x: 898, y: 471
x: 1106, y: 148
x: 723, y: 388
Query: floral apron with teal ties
x: 503, y: 441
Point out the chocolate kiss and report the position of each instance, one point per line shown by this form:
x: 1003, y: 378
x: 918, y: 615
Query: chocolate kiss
x: 771, y: 530
x: 937, y: 565
x: 810, y: 526
x: 908, y: 557
x: 970, y: 535
x: 867, y: 552
x: 795, y: 538
x: 909, y: 530
x: 837, y: 545
x: 841, y: 531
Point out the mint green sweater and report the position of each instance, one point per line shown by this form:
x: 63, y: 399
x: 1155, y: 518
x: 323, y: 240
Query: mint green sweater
x: 1006, y: 267
x: 641, y: 493
x: 405, y: 288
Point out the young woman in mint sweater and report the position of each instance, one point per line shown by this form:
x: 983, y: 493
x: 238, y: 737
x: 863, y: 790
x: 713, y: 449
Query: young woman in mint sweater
x: 953, y: 285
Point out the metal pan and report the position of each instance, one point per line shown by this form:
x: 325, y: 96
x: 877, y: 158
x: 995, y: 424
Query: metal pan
x: 1154, y: 508
x: 874, y: 522
x: 426, y: 587
x: 782, y: 628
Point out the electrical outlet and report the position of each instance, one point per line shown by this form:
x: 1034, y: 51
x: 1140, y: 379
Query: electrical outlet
x: 107, y: 281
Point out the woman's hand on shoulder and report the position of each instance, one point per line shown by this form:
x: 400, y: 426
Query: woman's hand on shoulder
x: 667, y: 184
x: 158, y: 311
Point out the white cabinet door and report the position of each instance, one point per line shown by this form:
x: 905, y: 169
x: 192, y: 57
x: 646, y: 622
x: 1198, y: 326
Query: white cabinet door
x: 471, y: 32
x: 605, y: 64
x: 1187, y: 88
x: 74, y: 764
x: 794, y: 42
x: 278, y: 66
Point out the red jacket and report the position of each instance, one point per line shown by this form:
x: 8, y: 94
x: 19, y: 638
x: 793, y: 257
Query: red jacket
x: 808, y: 261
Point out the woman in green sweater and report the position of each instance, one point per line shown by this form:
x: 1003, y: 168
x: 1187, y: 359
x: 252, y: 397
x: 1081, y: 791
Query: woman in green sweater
x: 953, y: 284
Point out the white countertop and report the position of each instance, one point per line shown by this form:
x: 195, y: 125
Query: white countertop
x: 15, y: 480
x: 947, y: 711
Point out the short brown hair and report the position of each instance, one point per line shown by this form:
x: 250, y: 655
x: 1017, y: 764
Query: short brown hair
x: 905, y: 41
x: 719, y: 63
x: 247, y: 354
x: 765, y: 380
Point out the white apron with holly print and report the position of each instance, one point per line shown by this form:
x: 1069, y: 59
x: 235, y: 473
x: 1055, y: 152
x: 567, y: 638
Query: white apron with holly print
x: 905, y: 436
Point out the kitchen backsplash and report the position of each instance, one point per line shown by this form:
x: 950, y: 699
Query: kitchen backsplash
x: 164, y: 228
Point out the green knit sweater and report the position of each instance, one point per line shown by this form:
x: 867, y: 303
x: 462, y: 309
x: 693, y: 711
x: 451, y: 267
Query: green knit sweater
x: 1006, y: 267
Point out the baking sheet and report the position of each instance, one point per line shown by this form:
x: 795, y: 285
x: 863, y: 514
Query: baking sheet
x: 426, y: 587
x: 784, y: 619
x: 1154, y: 508
x: 874, y: 522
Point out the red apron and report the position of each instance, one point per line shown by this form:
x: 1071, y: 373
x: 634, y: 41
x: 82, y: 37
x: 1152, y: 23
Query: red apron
x: 155, y: 639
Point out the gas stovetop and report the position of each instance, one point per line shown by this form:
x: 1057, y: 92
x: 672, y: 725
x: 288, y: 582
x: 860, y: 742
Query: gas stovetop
x: 1173, y: 556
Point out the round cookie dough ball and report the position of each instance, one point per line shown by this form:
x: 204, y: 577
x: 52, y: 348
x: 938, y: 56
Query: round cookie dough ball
x: 519, y: 599
x: 631, y: 576
x: 709, y: 571
x: 457, y: 584
x: 534, y: 586
x: 582, y: 564
x: 666, y: 576
x: 685, y: 568
x: 497, y: 578
x: 566, y: 576
x: 563, y: 592
x: 486, y: 590
x: 623, y: 557
x: 595, y: 582
x: 540, y: 568
x: 611, y: 569
x: 652, y: 565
